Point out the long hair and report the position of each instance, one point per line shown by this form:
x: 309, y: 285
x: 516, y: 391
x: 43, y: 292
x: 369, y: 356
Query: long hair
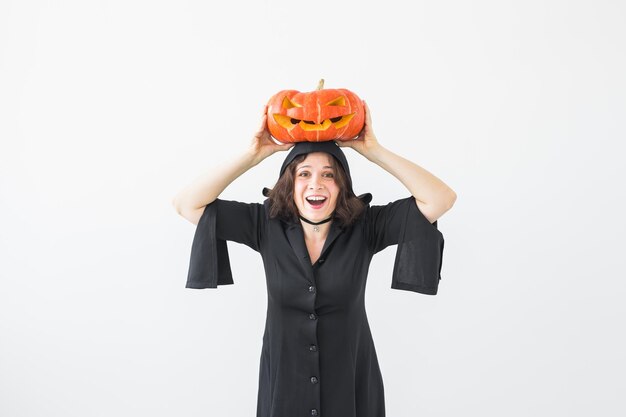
x: 282, y: 205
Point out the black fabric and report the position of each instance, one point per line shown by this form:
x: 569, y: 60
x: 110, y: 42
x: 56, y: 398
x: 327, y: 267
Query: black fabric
x: 419, y: 255
x: 318, y: 352
x: 210, y: 263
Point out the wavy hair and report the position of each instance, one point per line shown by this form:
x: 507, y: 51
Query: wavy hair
x: 282, y: 205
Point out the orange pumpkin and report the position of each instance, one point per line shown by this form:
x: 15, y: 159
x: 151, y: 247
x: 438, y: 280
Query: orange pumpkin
x: 316, y: 116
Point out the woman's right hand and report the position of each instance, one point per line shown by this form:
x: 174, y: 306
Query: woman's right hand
x: 262, y: 144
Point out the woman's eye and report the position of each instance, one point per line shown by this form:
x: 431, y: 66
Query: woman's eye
x: 329, y: 175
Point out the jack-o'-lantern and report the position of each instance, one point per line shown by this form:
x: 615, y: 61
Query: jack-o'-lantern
x: 316, y: 116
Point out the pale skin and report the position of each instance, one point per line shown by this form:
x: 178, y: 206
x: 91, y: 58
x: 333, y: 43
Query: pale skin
x: 315, y: 177
x: 432, y: 196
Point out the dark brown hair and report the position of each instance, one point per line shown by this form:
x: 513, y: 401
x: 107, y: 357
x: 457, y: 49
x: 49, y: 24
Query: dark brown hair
x: 349, y: 207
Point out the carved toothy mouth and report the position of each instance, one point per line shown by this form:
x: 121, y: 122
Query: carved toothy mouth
x: 309, y: 125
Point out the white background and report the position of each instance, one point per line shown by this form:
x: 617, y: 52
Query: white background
x: 109, y: 108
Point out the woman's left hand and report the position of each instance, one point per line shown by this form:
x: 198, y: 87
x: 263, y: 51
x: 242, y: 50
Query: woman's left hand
x: 365, y: 143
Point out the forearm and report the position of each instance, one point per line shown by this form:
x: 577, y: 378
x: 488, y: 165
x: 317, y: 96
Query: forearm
x: 206, y: 188
x: 423, y: 185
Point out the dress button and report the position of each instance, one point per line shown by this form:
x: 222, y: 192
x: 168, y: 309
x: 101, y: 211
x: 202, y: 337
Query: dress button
x: 313, y: 380
x: 311, y: 289
x: 313, y: 348
x: 320, y: 260
x: 312, y: 316
x: 314, y: 412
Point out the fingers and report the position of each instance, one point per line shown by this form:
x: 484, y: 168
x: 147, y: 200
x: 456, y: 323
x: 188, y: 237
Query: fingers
x: 261, y: 125
x: 284, y: 146
x: 263, y: 122
x: 362, y: 132
x: 278, y: 144
x: 344, y: 143
x: 368, y: 118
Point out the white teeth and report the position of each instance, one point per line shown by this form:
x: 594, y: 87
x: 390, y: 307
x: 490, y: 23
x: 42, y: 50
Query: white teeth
x: 316, y: 198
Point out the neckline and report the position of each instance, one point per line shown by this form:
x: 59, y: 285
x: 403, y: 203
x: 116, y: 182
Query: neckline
x: 316, y: 223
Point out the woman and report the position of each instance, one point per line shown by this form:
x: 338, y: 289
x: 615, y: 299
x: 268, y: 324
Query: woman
x: 317, y: 238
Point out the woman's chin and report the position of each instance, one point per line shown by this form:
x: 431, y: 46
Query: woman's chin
x: 315, y: 215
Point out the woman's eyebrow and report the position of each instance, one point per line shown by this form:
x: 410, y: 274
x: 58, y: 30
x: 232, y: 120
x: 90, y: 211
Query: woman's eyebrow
x: 309, y: 166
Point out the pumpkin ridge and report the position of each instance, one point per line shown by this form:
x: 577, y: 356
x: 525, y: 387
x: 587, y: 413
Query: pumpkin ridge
x: 308, y: 116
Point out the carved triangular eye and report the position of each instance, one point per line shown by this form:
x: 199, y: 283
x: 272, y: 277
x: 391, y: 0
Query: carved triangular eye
x: 288, y: 104
x: 339, y: 101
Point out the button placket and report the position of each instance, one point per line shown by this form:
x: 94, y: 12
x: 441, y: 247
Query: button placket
x: 313, y: 348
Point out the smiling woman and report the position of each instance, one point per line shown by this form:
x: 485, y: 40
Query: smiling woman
x: 317, y: 240
x: 307, y: 175
x: 315, y: 191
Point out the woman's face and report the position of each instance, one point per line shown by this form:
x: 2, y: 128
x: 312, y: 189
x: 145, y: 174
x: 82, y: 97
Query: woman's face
x: 315, y: 190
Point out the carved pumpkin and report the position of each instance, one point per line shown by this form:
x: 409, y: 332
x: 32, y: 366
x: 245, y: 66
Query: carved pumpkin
x: 316, y: 116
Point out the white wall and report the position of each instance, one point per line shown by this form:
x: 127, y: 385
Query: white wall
x: 109, y: 108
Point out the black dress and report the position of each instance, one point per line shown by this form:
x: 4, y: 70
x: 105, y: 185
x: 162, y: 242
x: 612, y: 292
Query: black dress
x: 318, y: 356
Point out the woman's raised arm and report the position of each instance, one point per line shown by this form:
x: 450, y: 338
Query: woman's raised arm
x: 432, y: 196
x: 192, y: 199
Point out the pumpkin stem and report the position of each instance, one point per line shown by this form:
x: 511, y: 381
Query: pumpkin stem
x: 320, y: 85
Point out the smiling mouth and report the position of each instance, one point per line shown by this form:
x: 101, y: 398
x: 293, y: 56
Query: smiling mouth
x: 308, y: 125
x: 316, y: 201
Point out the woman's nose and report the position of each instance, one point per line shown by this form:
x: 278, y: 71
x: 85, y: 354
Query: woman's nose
x: 315, y: 183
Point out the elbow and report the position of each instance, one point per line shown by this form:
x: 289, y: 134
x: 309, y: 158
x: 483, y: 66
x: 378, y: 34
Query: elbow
x: 452, y: 198
x: 176, y: 204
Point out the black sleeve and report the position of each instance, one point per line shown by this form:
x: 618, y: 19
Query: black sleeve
x: 419, y: 256
x: 240, y: 222
x: 222, y: 220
